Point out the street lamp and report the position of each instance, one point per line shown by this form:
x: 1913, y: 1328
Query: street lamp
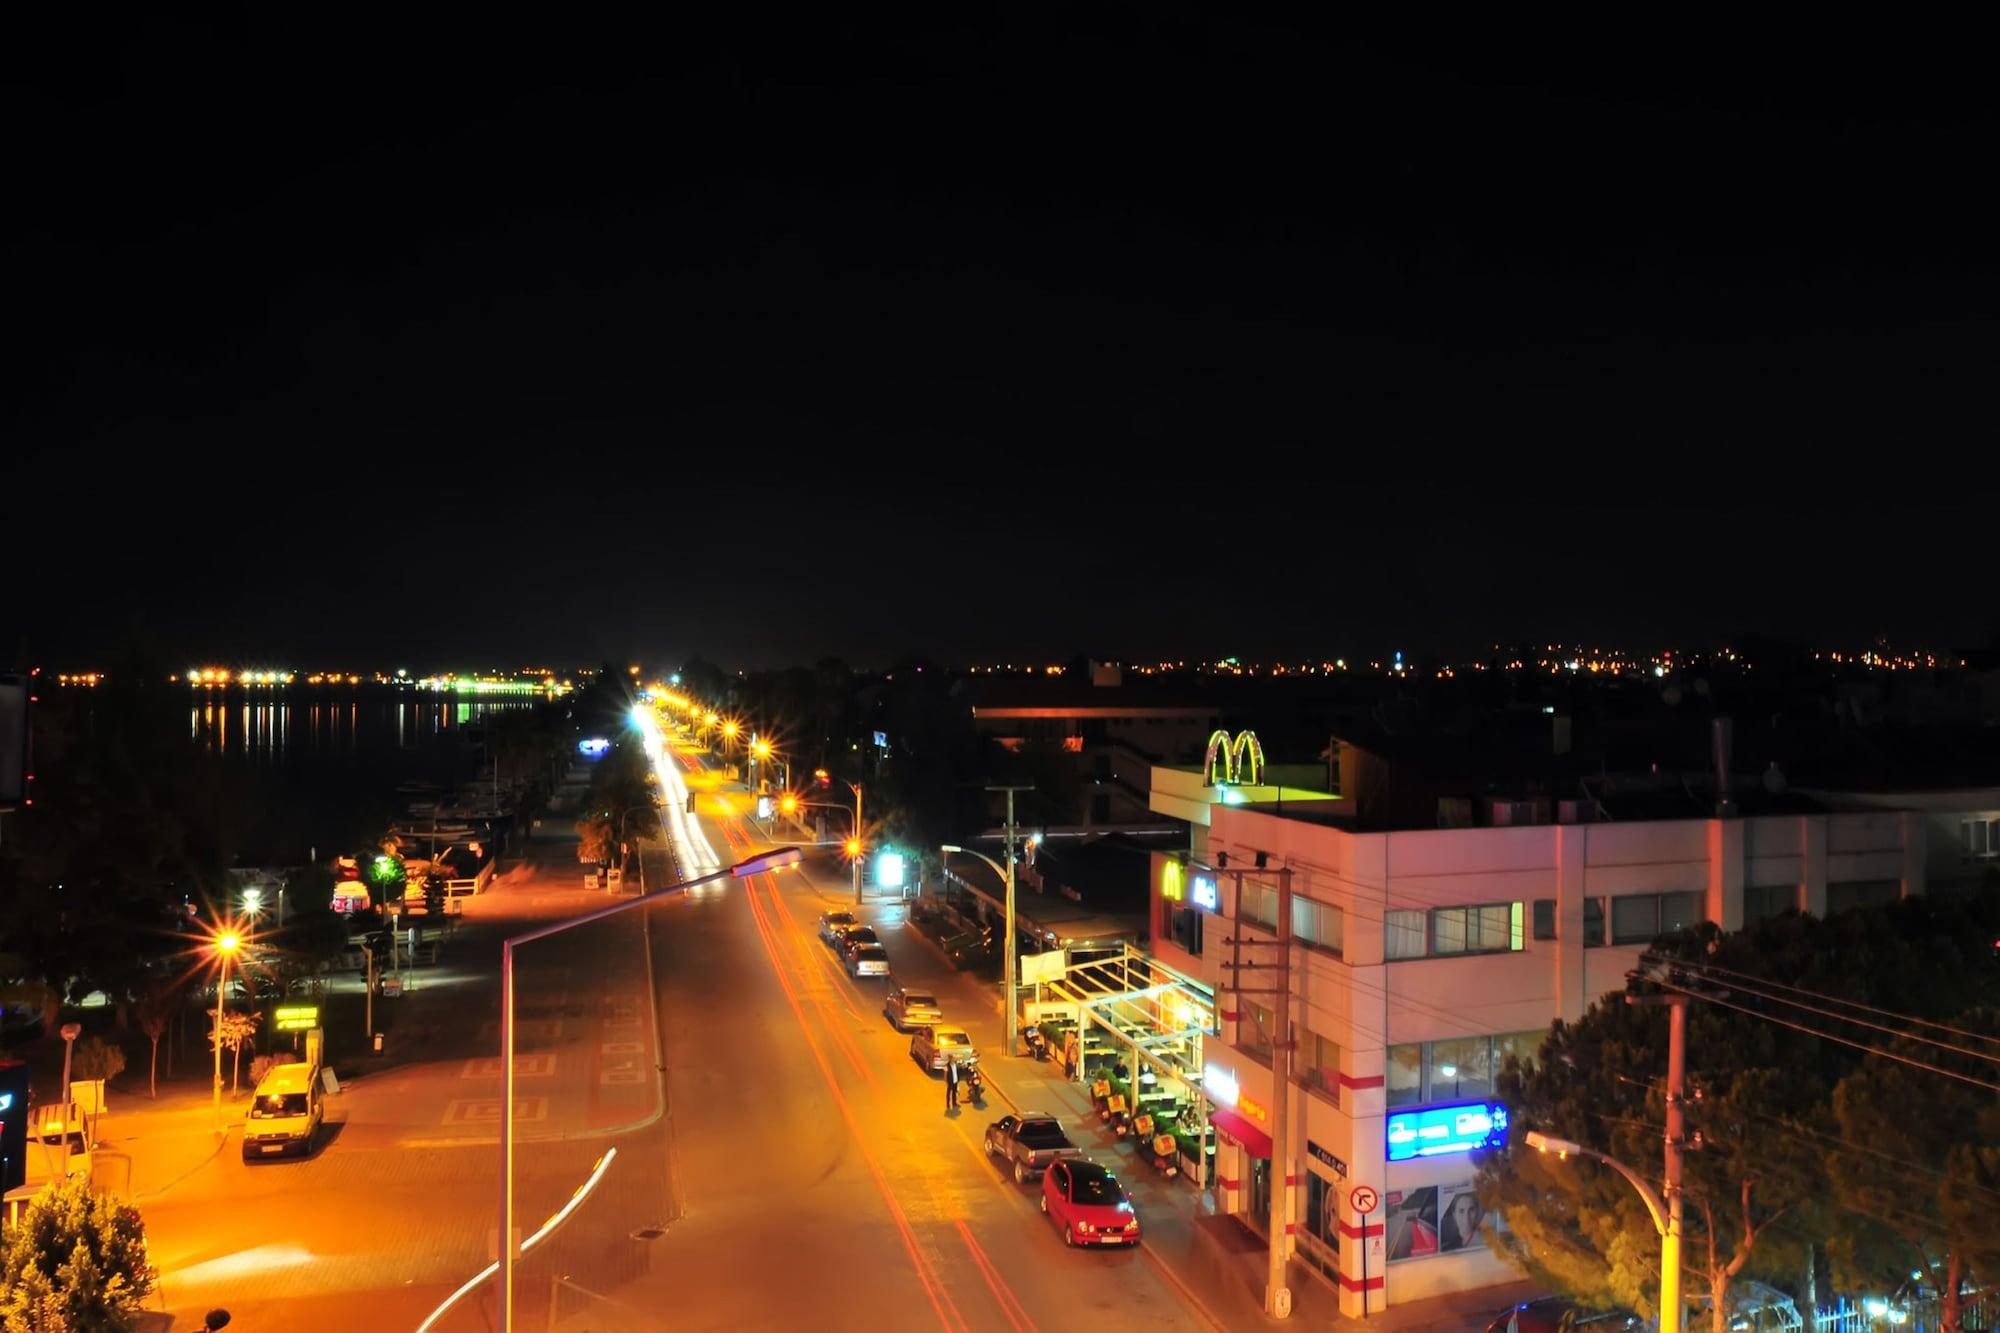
x: 226, y: 945
x: 1007, y: 990
x: 1664, y: 1220
x: 755, y: 865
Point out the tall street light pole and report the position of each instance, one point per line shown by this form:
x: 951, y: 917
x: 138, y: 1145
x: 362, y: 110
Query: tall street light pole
x: 755, y: 865
x: 225, y: 946
x: 1010, y: 968
x: 860, y: 846
x: 1666, y: 1213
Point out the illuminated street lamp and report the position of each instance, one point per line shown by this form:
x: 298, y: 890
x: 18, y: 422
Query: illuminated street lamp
x: 756, y: 865
x: 1007, y: 987
x: 226, y: 945
x: 1663, y: 1220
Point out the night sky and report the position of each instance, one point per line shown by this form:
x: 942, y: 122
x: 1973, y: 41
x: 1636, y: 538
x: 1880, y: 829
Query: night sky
x: 1126, y: 329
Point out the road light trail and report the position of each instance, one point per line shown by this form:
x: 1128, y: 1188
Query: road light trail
x: 1004, y: 1294
x: 933, y: 1284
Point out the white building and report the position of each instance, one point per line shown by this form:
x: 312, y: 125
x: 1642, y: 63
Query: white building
x: 1421, y: 958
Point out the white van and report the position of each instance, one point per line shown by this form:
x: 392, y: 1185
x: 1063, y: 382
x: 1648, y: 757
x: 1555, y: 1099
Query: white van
x: 285, y: 1114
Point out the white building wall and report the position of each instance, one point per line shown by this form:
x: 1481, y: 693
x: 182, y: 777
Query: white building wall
x: 1366, y: 1004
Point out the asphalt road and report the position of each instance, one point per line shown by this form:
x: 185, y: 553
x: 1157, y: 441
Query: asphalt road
x: 781, y: 1162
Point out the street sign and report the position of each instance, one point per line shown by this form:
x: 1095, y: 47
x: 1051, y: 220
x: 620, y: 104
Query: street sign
x: 295, y: 1017
x: 392, y: 987
x: 1362, y: 1199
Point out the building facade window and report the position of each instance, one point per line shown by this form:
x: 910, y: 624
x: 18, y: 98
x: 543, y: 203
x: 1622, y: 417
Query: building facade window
x: 1545, y: 919
x: 1764, y: 901
x: 1861, y: 893
x: 1184, y: 926
x: 1593, y: 923
x: 1455, y: 1069
x: 1320, y: 924
x: 1639, y: 918
x: 1319, y: 1064
x: 1255, y: 1027
x: 1980, y: 839
x: 1452, y: 931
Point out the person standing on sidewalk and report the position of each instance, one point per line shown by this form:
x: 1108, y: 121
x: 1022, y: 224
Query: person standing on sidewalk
x: 951, y: 1085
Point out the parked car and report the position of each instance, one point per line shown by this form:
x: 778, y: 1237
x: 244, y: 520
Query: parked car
x: 831, y: 924
x: 934, y: 1046
x: 1089, y: 1205
x: 868, y: 960
x: 285, y: 1113
x: 912, y: 1009
x: 1554, y: 1314
x: 856, y: 936
x: 1032, y: 1143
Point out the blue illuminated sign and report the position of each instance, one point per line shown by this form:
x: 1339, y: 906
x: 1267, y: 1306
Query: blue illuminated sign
x: 1203, y: 893
x: 596, y: 745
x: 1436, y: 1130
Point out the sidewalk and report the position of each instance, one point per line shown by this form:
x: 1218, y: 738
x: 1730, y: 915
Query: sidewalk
x: 146, y: 1147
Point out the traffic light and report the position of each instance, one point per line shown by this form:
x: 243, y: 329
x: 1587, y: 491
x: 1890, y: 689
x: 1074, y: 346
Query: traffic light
x: 822, y: 777
x: 13, y: 1124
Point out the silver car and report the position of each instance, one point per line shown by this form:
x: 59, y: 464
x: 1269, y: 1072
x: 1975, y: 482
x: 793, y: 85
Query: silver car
x: 933, y: 1046
x: 912, y: 1009
x: 831, y: 924
x: 868, y: 960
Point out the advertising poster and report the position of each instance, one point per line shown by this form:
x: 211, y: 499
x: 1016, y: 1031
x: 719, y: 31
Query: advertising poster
x: 1410, y: 1222
x: 1458, y: 1223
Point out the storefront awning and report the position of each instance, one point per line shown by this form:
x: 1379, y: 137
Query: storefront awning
x: 1241, y: 1128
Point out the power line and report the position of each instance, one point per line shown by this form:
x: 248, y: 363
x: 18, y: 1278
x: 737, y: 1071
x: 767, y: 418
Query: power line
x: 1737, y: 976
x: 1828, y: 1036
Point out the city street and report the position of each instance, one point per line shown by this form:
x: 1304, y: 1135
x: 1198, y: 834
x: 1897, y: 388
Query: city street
x: 800, y: 1169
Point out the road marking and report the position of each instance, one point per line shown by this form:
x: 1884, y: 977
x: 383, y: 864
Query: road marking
x: 525, y: 1066
x: 486, y: 1110
x: 622, y: 1076
x: 621, y: 1048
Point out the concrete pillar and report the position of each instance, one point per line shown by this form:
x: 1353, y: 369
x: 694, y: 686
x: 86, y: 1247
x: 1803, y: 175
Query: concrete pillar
x: 1727, y: 839
x: 1916, y: 852
x: 1812, y: 851
x: 1572, y: 855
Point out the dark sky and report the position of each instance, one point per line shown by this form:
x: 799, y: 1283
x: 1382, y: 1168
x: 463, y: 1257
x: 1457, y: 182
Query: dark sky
x: 1125, y: 329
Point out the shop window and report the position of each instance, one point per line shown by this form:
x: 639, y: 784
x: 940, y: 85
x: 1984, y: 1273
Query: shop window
x: 1460, y: 1070
x: 1861, y: 893
x: 1320, y: 1236
x: 1403, y: 1079
x: 1545, y: 918
x: 1456, y: 1069
x: 1319, y: 1064
x: 1764, y: 901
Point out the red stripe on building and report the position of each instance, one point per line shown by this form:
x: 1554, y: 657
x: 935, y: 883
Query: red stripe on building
x: 1229, y: 1184
x: 1356, y: 1284
x: 1364, y: 1230
x: 1349, y: 1081
x: 1291, y: 1228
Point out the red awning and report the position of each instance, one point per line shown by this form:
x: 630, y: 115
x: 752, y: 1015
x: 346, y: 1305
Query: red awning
x: 1243, y: 1130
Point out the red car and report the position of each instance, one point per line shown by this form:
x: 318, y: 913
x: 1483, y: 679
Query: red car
x: 1089, y: 1204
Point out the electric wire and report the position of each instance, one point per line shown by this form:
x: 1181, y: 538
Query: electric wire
x: 1740, y: 981
x: 1828, y: 1036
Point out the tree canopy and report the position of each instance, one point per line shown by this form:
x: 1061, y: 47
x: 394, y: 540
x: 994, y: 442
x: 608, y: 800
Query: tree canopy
x: 1798, y: 1135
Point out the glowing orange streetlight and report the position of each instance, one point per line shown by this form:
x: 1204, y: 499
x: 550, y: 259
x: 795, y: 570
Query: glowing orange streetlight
x: 226, y: 944
x: 789, y: 803
x: 853, y: 849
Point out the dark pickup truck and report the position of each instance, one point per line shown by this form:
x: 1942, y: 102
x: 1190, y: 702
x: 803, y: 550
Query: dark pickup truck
x: 1030, y: 1142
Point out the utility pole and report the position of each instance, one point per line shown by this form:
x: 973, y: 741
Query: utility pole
x: 1671, y: 1304
x: 860, y: 846
x: 1277, y: 1296
x: 1010, y: 973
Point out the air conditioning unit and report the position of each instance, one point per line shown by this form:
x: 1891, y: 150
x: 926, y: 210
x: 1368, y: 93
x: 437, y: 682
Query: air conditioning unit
x: 1454, y: 812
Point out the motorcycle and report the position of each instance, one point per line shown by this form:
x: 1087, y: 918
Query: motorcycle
x: 1038, y: 1045
x: 972, y: 1086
